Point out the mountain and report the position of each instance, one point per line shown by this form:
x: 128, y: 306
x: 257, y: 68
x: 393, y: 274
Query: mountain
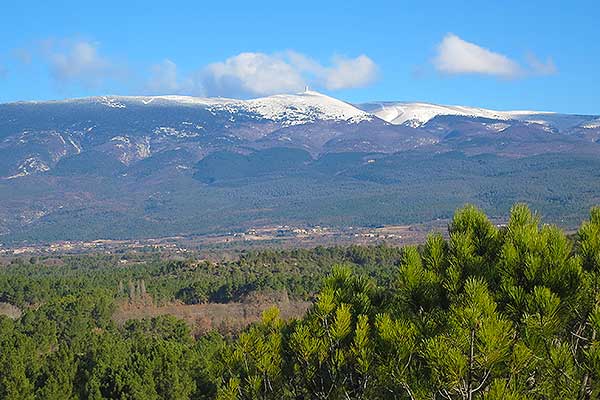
x: 480, y: 130
x: 127, y: 167
x: 418, y: 114
x: 38, y: 137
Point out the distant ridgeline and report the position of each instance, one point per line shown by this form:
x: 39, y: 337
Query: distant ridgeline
x: 147, y: 167
x: 492, y: 312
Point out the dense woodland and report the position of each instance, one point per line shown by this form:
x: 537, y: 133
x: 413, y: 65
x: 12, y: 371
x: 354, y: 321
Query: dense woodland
x: 338, y: 190
x: 491, y: 312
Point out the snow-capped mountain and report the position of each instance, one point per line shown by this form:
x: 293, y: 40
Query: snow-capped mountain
x: 294, y: 109
x: 287, y: 109
x: 37, y: 136
x: 418, y: 114
x: 177, y: 164
x: 49, y: 136
x: 118, y: 132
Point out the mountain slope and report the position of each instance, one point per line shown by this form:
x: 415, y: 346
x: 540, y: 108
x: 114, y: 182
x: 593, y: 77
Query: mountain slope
x: 128, y: 167
x: 36, y: 136
x: 418, y: 114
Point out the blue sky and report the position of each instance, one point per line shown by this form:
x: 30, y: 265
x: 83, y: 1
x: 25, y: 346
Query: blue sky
x: 542, y: 55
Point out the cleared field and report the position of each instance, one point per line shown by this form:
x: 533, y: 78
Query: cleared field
x: 10, y: 311
x: 226, y: 318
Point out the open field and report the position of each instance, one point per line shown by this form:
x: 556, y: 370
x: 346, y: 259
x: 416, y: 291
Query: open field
x: 10, y: 310
x: 202, y: 318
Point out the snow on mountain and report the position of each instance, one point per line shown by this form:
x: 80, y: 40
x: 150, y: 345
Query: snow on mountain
x: 417, y: 114
x: 111, y: 102
x: 30, y: 166
x: 595, y: 124
x: 288, y: 109
x: 306, y: 107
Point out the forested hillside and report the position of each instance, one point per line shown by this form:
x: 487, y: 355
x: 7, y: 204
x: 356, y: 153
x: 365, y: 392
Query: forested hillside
x: 507, y: 312
x: 154, y: 167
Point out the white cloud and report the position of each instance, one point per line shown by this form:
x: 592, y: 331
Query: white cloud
x: 78, y: 61
x: 343, y: 73
x: 457, y: 56
x: 304, y: 63
x: 164, y: 78
x: 249, y: 74
x: 351, y: 72
x: 74, y: 61
x: 259, y: 74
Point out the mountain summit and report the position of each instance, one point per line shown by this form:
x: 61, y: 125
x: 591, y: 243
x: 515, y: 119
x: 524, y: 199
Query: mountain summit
x: 289, y: 109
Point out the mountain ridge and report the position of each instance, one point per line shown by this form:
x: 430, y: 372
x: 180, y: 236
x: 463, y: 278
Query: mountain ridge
x: 37, y: 135
x: 419, y: 113
x: 127, y: 167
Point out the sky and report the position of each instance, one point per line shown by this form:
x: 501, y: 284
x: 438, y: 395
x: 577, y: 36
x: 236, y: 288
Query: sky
x: 535, y: 55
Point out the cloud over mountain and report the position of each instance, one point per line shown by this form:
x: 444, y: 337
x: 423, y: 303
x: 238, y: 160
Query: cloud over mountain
x: 456, y: 56
x: 248, y: 74
x: 351, y: 72
x: 252, y: 74
x: 343, y: 73
x: 78, y: 62
x: 164, y: 77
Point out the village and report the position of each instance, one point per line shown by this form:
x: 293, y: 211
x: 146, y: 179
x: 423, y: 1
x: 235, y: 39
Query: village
x: 256, y: 237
